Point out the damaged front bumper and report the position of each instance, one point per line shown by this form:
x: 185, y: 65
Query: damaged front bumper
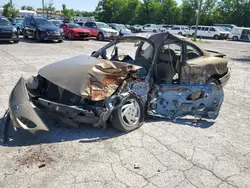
x: 22, y: 113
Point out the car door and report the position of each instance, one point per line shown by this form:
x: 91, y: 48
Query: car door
x: 32, y: 28
x: 182, y: 97
x: 206, y: 32
x: 212, y: 32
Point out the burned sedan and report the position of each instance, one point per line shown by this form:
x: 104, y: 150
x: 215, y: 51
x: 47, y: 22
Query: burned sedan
x: 122, y: 83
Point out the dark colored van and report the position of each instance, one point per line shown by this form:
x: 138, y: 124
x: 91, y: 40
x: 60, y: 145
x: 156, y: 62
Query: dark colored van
x: 41, y: 29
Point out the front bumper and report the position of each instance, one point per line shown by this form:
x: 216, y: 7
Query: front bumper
x: 21, y: 110
x: 8, y: 36
x: 49, y: 36
x: 224, y: 80
x: 23, y: 114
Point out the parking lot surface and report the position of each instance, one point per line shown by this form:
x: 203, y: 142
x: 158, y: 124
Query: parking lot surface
x: 161, y: 153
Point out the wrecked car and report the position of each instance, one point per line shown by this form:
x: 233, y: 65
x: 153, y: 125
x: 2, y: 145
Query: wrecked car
x: 122, y: 83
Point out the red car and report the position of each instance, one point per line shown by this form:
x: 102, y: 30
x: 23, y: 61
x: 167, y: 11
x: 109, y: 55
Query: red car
x: 75, y: 31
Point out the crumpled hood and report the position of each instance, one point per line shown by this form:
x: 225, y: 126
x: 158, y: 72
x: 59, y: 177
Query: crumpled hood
x: 88, y: 76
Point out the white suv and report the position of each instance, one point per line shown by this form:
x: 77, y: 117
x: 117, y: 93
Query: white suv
x: 209, y: 32
x: 149, y: 28
x: 179, y: 30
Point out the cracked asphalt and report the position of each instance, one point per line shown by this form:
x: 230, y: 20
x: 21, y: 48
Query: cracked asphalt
x: 161, y: 153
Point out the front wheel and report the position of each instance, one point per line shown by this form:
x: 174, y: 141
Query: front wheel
x: 129, y: 115
x: 216, y: 37
x: 25, y: 34
x: 70, y: 36
x: 60, y: 41
x: 180, y: 33
x: 38, y: 37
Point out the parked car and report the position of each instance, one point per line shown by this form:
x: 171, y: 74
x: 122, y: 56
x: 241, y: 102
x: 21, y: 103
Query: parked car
x: 41, y: 29
x: 178, y: 30
x: 139, y: 27
x: 101, y: 30
x: 81, y: 23
x: 133, y: 28
x: 17, y: 22
x: 149, y: 28
x: 165, y: 76
x: 240, y: 33
x: 56, y: 22
x: 165, y: 28
x: 75, y: 31
x: 123, y: 31
x: 7, y: 31
x: 209, y: 32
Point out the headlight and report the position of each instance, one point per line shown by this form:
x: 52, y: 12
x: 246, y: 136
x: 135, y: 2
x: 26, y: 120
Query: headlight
x: 14, y: 29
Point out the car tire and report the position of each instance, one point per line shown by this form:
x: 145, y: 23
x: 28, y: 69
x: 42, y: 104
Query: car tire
x: 60, y: 41
x: 18, y: 31
x: 129, y: 115
x: 69, y: 36
x: 180, y: 33
x: 16, y: 41
x: 38, y: 36
x: 214, y: 81
x: 100, y: 36
x: 154, y: 31
x: 24, y: 34
x: 235, y: 38
x: 216, y: 37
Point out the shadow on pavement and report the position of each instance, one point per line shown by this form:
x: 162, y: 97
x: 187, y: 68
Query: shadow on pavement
x: 57, y: 133
x: 203, y: 124
x: 243, y: 59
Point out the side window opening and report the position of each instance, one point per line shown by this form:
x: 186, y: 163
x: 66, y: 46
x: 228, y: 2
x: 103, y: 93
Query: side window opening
x: 192, y: 52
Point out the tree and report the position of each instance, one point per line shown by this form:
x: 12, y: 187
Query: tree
x: 66, y: 12
x: 27, y: 7
x: 49, y: 8
x: 9, y: 10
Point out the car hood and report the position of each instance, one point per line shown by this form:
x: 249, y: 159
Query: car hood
x: 79, y: 30
x: 6, y: 28
x: 108, y: 30
x: 48, y: 28
x: 88, y: 77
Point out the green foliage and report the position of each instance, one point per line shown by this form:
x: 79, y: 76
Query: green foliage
x: 9, y: 10
x: 66, y: 12
x: 27, y: 7
x: 169, y: 12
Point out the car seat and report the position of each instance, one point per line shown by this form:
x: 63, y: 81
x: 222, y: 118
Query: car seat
x: 164, y: 69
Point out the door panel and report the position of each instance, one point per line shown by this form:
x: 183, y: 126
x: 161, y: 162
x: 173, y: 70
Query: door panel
x: 199, y: 100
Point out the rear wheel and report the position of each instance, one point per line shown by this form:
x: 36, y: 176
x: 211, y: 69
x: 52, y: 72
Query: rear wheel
x: 216, y: 37
x: 16, y: 41
x: 129, y: 115
x: 235, y: 38
x: 59, y: 41
x: 180, y: 33
x: 154, y: 31
x: 100, y: 37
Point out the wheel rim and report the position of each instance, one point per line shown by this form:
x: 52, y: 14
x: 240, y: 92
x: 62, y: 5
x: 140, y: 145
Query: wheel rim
x: 130, y: 112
